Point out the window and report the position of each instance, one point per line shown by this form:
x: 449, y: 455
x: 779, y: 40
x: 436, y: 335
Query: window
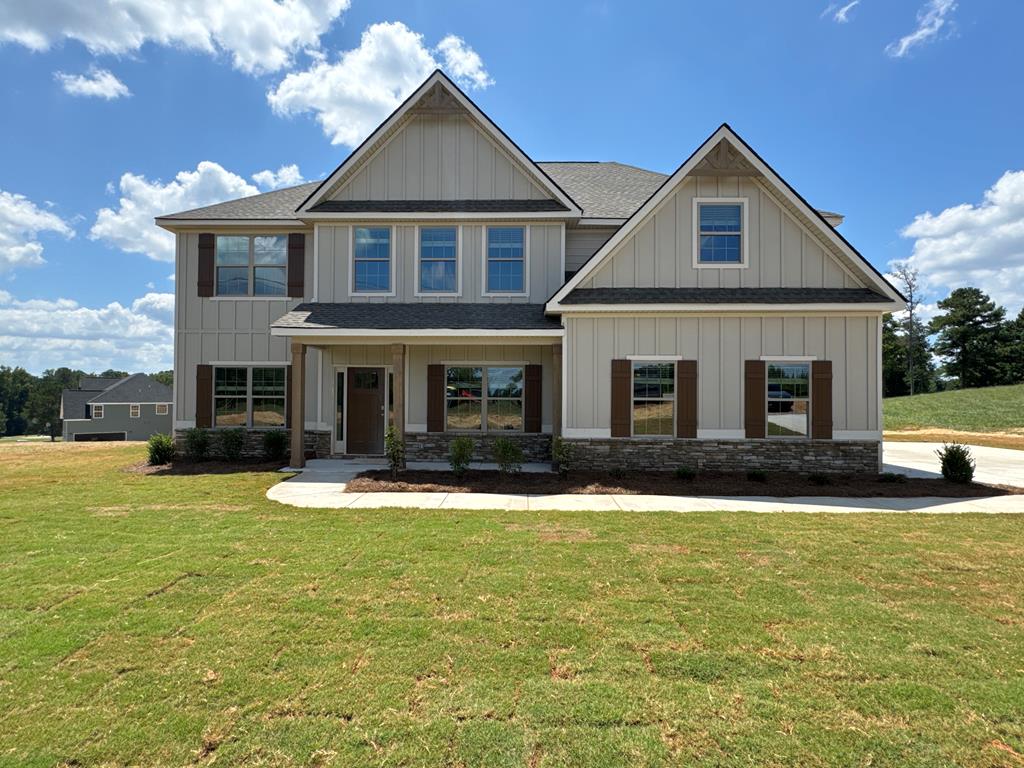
x: 720, y: 233
x: 372, y: 262
x: 506, y: 260
x: 438, y: 260
x: 134, y: 411
x: 788, y: 399
x: 249, y: 397
x: 161, y: 409
x: 97, y: 411
x: 484, y: 398
x: 252, y: 266
x: 654, y: 394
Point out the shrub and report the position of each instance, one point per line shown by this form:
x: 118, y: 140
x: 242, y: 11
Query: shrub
x: 460, y: 453
x: 685, y: 473
x: 394, y: 449
x: 892, y: 477
x: 757, y: 476
x: 161, y: 449
x: 230, y: 442
x: 275, y: 444
x: 618, y: 473
x: 563, y: 455
x: 197, y: 444
x: 957, y: 463
x: 508, y: 456
x: 819, y: 478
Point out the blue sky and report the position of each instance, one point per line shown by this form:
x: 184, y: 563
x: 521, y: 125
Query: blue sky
x: 900, y: 114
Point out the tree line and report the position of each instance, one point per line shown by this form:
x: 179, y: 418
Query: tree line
x: 30, y: 405
x: 970, y: 343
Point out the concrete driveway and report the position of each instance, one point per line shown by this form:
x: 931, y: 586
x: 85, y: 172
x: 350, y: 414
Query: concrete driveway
x: 995, y: 466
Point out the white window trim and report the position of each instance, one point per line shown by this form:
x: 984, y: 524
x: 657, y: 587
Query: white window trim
x: 340, y: 444
x: 248, y: 395
x: 744, y: 232
x: 392, y: 260
x: 419, y: 292
x: 632, y: 398
x: 94, y: 415
x: 135, y: 411
x: 526, y: 262
x: 166, y: 409
x: 251, y: 295
x: 484, y: 397
x: 768, y: 359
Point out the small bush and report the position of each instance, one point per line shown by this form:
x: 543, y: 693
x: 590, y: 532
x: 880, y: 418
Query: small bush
x: 275, y: 444
x: 957, y: 463
x: 618, y: 473
x: 460, y: 453
x: 757, y: 476
x: 819, y: 478
x: 686, y: 473
x: 197, y: 444
x: 563, y: 455
x: 508, y: 456
x: 892, y: 477
x: 394, y: 449
x: 230, y: 443
x: 161, y: 449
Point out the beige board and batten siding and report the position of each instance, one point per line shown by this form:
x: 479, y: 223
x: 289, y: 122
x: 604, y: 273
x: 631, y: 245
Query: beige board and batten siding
x: 439, y: 157
x: 583, y: 242
x: 235, y: 329
x: 334, y: 263
x: 781, y: 251
x: 720, y: 345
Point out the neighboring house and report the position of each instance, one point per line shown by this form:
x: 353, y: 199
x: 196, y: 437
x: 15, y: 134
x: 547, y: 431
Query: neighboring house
x: 442, y: 281
x: 132, y: 408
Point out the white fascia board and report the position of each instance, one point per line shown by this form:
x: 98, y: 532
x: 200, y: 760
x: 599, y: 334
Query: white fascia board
x: 173, y: 225
x: 299, y: 333
x: 761, y: 309
x: 495, y: 133
x: 439, y: 215
x: 585, y: 222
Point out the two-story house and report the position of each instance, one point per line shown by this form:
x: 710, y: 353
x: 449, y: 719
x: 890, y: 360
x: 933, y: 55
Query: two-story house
x: 442, y: 281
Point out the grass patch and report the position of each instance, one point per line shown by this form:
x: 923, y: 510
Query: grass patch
x: 163, y: 619
x: 990, y: 409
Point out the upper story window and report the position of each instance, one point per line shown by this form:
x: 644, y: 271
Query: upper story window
x: 506, y: 260
x: 134, y: 411
x: 789, y: 399
x: 719, y: 235
x: 97, y: 411
x: 438, y: 271
x: 252, y: 266
x: 372, y: 260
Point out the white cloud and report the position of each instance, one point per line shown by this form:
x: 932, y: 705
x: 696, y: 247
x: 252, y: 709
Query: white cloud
x: 130, y: 226
x: 975, y: 244
x: 21, y: 221
x: 40, y: 334
x: 931, y: 18
x: 285, y: 176
x: 258, y: 35
x: 101, y: 83
x: 842, y: 15
x: 354, y: 94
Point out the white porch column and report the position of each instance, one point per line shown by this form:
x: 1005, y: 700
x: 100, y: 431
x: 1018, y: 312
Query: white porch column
x: 298, y: 405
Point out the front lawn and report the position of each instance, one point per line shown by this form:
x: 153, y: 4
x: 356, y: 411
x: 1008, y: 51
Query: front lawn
x: 990, y: 409
x: 180, y: 620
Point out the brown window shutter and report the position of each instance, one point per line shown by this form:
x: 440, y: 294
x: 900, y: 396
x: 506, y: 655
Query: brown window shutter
x: 532, y: 399
x: 204, y: 396
x: 821, y: 399
x: 288, y: 396
x: 435, y: 398
x: 296, y: 265
x: 755, y: 393
x: 622, y: 399
x: 207, y: 251
x: 686, y: 398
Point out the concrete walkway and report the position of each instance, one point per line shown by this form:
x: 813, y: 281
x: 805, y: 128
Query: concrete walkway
x: 322, y: 483
x: 995, y: 466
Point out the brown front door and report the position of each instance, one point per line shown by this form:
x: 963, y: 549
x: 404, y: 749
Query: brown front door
x: 365, y: 410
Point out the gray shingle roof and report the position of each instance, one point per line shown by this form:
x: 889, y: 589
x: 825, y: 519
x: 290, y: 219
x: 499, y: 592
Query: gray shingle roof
x: 451, y: 316
x: 723, y: 296
x: 437, y: 206
x: 72, y: 402
x: 137, y: 388
x: 605, y: 190
x: 279, y: 204
x: 97, y: 383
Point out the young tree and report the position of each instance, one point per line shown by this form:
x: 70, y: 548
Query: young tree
x: 908, y: 278
x: 43, y: 405
x: 968, y: 337
x: 1013, y: 349
x: 894, y: 364
x: 920, y: 369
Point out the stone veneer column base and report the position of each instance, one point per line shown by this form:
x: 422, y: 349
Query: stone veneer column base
x: 315, y: 442
x: 435, y: 446
x: 800, y: 456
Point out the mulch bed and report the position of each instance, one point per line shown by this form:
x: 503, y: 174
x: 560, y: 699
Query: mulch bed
x: 667, y: 484
x: 204, y: 467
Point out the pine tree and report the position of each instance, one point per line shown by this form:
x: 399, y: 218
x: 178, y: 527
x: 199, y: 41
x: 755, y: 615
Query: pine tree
x: 968, y: 337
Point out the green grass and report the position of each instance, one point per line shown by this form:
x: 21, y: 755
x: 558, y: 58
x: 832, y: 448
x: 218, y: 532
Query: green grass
x: 29, y: 439
x: 172, y: 620
x: 992, y: 409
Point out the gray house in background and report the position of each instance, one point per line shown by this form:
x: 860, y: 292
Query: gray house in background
x: 132, y: 408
